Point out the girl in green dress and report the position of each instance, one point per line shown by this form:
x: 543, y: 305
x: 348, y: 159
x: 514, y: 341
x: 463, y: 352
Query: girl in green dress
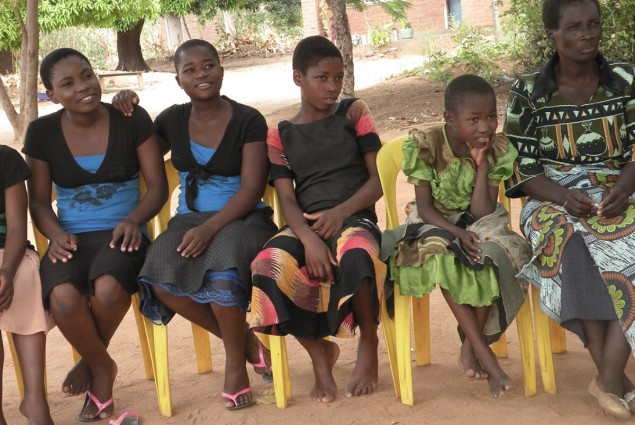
x: 458, y: 237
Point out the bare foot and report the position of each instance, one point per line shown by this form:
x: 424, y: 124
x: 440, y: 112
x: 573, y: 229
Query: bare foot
x: 365, y: 375
x: 36, y: 411
x: 499, y: 383
x: 325, y: 387
x: 77, y: 380
x: 101, y: 388
x: 472, y: 368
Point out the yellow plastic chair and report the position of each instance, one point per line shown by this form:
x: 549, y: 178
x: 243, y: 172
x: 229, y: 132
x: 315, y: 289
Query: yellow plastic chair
x: 158, y: 334
x: 41, y: 245
x: 389, y: 160
x: 277, y: 344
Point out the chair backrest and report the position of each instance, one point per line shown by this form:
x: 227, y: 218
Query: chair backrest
x: 173, y: 182
x: 270, y: 198
x: 389, y: 159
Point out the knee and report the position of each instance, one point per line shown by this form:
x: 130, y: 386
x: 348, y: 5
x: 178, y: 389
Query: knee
x: 64, y: 301
x: 109, y: 293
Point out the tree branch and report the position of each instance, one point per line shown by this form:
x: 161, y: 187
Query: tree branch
x: 9, y: 109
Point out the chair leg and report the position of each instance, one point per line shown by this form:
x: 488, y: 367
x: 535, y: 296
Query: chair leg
x: 526, y: 342
x: 543, y: 343
x: 421, y: 320
x: 161, y: 370
x: 388, y: 328
x: 558, y: 338
x: 500, y: 347
x: 202, y: 349
x: 76, y: 355
x: 280, y: 370
x: 143, y: 338
x: 402, y: 338
x: 16, y: 365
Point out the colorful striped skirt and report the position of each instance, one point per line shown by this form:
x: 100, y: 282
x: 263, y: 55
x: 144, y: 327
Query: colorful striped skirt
x: 286, y: 301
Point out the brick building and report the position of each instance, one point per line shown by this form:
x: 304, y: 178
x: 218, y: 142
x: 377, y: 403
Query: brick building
x: 429, y: 16
x: 426, y: 16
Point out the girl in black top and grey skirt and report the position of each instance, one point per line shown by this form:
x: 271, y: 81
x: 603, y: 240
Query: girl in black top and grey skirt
x: 199, y: 267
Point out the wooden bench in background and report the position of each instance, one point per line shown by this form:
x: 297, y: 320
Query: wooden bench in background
x: 103, y: 77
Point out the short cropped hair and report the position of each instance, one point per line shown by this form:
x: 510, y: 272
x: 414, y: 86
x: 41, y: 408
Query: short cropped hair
x: 48, y: 64
x: 312, y: 50
x: 463, y: 85
x: 551, y: 11
x: 195, y: 42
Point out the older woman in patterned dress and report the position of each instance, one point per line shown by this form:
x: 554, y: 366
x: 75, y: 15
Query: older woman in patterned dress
x: 573, y: 124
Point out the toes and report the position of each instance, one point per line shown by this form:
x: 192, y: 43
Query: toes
x: 471, y: 374
x: 323, y: 396
x: 327, y: 398
x: 353, y: 391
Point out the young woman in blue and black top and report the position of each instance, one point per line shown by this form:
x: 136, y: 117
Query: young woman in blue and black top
x: 93, y: 156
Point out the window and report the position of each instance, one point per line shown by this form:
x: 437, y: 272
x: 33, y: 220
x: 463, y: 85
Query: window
x: 453, y: 8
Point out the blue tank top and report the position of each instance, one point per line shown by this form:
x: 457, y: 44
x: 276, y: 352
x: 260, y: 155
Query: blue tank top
x: 213, y: 192
x: 94, y: 207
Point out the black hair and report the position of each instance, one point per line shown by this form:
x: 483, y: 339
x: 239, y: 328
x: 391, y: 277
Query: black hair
x: 463, y: 85
x: 48, y: 64
x: 195, y: 42
x: 312, y: 50
x: 551, y: 11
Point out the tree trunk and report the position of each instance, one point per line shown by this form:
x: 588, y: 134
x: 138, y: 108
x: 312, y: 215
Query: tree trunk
x: 28, y: 73
x: 345, y: 44
x: 10, y: 112
x: 129, y: 49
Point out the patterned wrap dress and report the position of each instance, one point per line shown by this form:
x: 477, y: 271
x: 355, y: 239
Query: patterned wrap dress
x: 325, y: 159
x: 584, y: 266
x: 422, y: 255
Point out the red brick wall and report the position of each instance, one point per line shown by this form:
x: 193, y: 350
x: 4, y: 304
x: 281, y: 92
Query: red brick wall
x: 6, y: 62
x: 207, y: 31
x: 478, y: 12
x: 426, y: 15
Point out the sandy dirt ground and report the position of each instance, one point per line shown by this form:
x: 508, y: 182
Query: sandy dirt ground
x: 442, y: 394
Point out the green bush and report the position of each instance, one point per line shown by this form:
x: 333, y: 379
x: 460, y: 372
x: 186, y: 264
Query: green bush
x: 380, y: 36
x: 99, y: 45
x: 527, y: 41
x: 474, y: 54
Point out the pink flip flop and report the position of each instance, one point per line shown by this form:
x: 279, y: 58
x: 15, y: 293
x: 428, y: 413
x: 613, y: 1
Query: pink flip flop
x: 100, y: 407
x: 233, y: 397
x: 266, y: 377
x: 126, y: 418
